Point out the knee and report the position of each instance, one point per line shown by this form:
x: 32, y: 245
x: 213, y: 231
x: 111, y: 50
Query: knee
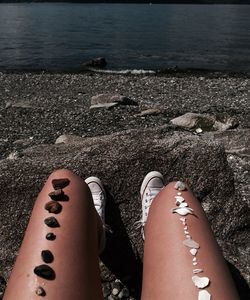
x: 62, y: 173
x: 66, y: 173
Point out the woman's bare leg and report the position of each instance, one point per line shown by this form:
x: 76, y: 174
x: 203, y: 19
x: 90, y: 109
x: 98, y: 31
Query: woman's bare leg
x: 75, y: 247
x: 168, y: 263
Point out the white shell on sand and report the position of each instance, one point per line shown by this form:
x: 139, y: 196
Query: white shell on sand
x: 185, y: 228
x: 183, y: 204
x: 196, y: 271
x: 179, y: 193
x: 183, y: 211
x: 191, y: 244
x: 193, y: 251
x: 188, y: 236
x: 194, y: 259
x: 180, y: 186
x: 204, y: 295
x: 195, y: 263
x: 186, y: 232
x: 183, y: 220
x: 200, y: 282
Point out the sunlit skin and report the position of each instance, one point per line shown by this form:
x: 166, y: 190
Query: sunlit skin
x: 168, y: 264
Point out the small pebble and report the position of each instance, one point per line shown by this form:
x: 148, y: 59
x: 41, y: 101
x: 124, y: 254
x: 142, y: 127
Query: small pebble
x: 53, y: 207
x: 45, y: 272
x: 51, y: 222
x: 115, y: 291
x: 50, y: 236
x: 40, y: 291
x: 106, y: 290
x: 47, y: 256
x: 116, y: 288
x: 57, y: 195
x: 124, y: 293
x: 60, y: 183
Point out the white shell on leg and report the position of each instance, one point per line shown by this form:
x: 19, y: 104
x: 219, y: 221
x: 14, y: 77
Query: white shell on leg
x: 180, y: 186
x: 204, y: 295
x: 193, y: 251
x: 200, y: 282
x: 191, y: 243
x: 183, y: 211
x: 196, y: 271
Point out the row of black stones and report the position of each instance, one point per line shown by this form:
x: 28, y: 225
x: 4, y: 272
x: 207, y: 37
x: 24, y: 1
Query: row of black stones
x: 54, y: 207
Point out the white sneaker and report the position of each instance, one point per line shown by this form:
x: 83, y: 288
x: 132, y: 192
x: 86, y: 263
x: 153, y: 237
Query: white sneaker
x: 152, y: 184
x: 99, y: 198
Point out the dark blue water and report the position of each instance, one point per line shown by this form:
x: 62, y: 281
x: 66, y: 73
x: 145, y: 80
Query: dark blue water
x: 62, y: 36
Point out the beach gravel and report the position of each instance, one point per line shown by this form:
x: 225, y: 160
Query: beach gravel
x: 38, y: 108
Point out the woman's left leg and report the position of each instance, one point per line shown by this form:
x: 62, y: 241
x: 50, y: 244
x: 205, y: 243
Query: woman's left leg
x: 59, y: 260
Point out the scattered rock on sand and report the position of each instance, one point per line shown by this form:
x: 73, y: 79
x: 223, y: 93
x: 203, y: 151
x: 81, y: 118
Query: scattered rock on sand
x: 106, y: 290
x: 116, y: 288
x: 104, y: 105
x: 204, y: 122
x: 149, y: 112
x: 110, y: 100
x: 22, y: 104
x: 68, y: 139
x: 14, y: 155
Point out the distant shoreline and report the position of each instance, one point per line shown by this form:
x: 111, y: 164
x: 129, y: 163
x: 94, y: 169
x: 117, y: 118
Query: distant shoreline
x: 226, y: 2
x: 165, y: 72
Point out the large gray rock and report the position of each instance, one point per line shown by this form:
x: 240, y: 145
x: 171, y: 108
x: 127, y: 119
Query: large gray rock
x: 204, y: 121
x: 121, y: 161
x: 110, y: 100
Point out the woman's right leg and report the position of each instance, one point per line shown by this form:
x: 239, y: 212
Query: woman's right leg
x: 73, y: 244
x: 168, y: 263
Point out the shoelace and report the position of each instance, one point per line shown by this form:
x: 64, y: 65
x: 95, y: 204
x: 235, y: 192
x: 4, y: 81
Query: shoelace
x: 98, y: 200
x: 150, y: 195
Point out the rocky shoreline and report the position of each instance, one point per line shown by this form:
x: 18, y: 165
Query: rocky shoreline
x: 38, y: 108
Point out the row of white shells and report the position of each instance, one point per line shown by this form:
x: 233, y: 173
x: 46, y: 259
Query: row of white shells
x: 183, y: 210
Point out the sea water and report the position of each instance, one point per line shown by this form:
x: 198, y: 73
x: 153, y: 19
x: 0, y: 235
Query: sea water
x: 61, y: 36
